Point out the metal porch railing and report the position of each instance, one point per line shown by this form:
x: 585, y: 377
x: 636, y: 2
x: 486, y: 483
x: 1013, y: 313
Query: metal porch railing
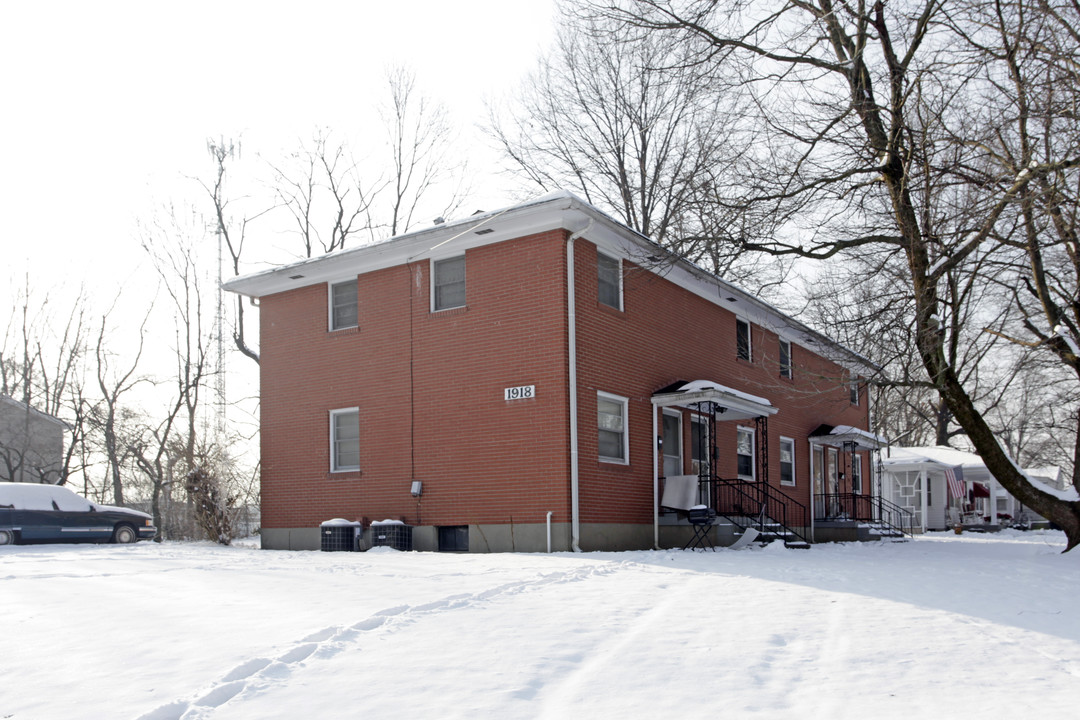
x: 768, y: 510
x: 864, y: 508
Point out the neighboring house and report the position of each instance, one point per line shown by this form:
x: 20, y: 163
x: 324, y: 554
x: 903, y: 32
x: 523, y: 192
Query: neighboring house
x: 31, y: 443
x: 943, y: 487
x: 528, y: 378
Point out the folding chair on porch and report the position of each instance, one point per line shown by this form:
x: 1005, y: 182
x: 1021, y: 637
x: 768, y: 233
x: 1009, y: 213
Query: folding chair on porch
x: 701, y: 519
x: 681, y: 495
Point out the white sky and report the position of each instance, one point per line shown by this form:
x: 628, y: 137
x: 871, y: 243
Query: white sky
x: 108, y: 105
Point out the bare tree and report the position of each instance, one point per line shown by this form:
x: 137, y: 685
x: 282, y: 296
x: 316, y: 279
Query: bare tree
x: 627, y: 121
x: 420, y: 140
x: 232, y: 232
x: 169, y: 447
x: 321, y: 188
x: 945, y: 131
x: 864, y: 303
x: 115, y: 383
x: 42, y: 360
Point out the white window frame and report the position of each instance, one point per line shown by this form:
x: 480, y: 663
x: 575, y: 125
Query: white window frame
x: 749, y: 339
x: 334, y: 415
x: 790, y: 441
x: 436, y: 261
x: 679, y: 442
x: 786, y: 371
x: 753, y: 455
x: 330, y: 304
x: 618, y: 280
x: 853, y: 391
x: 624, y: 402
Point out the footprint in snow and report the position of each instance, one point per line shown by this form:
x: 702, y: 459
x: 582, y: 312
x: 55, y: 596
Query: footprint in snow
x: 221, y: 694
x: 298, y: 653
x: 246, y: 669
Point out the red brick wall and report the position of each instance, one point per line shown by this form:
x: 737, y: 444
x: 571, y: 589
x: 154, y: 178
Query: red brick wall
x: 430, y: 391
x: 665, y: 334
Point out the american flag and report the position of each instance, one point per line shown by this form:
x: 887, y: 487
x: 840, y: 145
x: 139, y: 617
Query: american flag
x: 954, y: 478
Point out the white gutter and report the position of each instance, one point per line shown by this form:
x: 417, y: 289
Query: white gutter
x: 571, y: 352
x: 813, y: 512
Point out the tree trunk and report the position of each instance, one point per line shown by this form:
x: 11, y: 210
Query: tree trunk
x: 1065, y: 513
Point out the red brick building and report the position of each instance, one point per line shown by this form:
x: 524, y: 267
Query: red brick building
x: 520, y: 378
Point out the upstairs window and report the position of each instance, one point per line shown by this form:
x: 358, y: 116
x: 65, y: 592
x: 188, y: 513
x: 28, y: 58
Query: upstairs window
x: 344, y: 439
x: 343, y: 305
x: 744, y: 452
x: 742, y: 339
x: 853, y: 391
x: 609, y: 274
x: 448, y: 283
x: 787, y: 461
x: 611, y: 423
x: 785, y: 359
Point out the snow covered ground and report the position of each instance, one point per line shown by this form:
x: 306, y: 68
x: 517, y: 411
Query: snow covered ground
x: 944, y: 626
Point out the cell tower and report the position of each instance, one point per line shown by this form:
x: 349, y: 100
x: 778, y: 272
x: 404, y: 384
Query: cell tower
x: 220, y: 151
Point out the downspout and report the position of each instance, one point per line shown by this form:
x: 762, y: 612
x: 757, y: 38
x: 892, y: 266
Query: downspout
x: 549, y: 531
x: 813, y: 513
x: 571, y: 352
x: 655, y: 482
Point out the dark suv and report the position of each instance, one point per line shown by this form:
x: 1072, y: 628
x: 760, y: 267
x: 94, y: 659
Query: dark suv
x: 32, y: 513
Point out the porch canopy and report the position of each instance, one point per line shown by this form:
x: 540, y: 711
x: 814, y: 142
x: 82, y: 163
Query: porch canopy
x: 728, y: 403
x: 847, y: 435
x: 937, y: 458
x: 731, y: 404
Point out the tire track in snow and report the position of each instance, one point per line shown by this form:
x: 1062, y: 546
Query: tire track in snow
x: 257, y: 674
x: 671, y: 596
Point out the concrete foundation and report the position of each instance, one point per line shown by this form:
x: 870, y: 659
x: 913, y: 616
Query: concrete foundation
x: 678, y: 535
x: 530, y: 537
x: 291, y: 538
